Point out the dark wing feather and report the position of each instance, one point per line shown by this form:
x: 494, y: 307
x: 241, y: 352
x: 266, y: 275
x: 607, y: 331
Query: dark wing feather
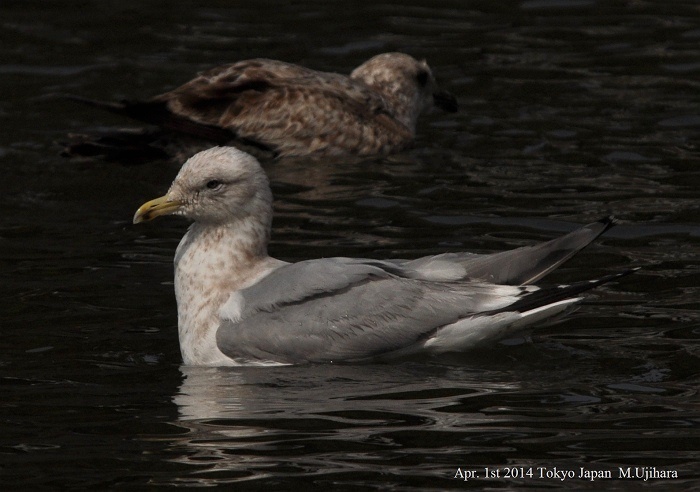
x: 551, y: 295
x: 519, y: 266
x: 157, y: 113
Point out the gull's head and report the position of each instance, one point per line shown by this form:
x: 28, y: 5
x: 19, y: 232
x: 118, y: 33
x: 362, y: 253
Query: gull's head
x: 407, y: 82
x: 217, y: 186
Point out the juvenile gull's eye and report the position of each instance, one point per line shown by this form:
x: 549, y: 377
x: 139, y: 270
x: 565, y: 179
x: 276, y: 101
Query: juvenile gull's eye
x: 213, y: 184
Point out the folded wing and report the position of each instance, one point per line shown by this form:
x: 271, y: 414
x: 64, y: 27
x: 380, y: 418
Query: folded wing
x: 519, y: 266
x: 344, y: 309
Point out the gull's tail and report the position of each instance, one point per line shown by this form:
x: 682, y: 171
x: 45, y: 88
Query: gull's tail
x: 552, y: 295
x: 490, y: 326
x: 157, y: 113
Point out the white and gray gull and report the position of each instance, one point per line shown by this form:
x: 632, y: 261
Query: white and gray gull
x: 282, y: 109
x: 239, y: 306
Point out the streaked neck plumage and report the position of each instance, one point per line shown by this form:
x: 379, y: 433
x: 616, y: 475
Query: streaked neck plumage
x: 211, y: 263
x: 400, y: 93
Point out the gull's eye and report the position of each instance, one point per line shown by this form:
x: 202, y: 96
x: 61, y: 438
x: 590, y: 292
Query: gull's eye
x: 214, y: 184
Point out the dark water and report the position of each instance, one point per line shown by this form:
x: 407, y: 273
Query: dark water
x: 571, y: 110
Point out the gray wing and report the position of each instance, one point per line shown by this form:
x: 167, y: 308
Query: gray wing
x: 345, y: 309
x: 519, y: 266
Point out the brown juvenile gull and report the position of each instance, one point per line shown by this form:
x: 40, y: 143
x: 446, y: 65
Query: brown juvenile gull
x: 239, y: 306
x: 287, y: 110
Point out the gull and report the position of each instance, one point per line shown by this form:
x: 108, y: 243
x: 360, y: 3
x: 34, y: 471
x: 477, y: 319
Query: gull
x: 238, y: 306
x: 280, y: 109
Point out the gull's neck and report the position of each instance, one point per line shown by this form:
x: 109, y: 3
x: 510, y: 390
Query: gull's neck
x: 211, y: 263
x: 403, y: 99
x: 406, y: 104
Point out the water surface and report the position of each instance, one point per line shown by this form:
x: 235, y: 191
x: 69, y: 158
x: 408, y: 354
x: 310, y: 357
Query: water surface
x: 571, y: 110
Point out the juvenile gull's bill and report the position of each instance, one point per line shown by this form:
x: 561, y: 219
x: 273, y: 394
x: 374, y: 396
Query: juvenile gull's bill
x: 239, y: 306
x: 281, y: 109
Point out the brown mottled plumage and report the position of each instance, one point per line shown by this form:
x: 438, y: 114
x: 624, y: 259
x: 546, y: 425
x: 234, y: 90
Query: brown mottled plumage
x: 289, y: 110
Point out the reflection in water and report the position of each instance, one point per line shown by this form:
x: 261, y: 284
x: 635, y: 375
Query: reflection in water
x: 333, y: 422
x: 246, y: 422
x: 296, y: 391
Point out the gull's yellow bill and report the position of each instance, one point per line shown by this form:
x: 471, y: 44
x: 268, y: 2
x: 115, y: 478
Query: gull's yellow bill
x: 155, y: 208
